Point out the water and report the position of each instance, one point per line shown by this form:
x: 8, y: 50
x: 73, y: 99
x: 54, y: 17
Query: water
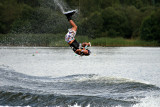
x: 63, y: 6
x: 109, y: 77
x: 59, y: 5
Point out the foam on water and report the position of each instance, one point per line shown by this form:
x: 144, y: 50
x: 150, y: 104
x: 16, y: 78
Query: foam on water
x: 145, y: 102
x: 149, y: 102
x: 86, y: 89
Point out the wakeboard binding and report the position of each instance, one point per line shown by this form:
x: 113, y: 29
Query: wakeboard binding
x: 69, y: 14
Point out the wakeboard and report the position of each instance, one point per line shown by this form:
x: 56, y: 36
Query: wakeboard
x: 70, y: 12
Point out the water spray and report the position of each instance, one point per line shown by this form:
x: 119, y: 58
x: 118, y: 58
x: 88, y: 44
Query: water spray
x: 59, y: 5
x: 57, y: 2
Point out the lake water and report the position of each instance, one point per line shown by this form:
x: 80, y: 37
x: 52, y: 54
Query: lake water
x: 109, y: 77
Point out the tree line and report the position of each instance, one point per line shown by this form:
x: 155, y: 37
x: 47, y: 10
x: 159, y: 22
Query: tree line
x: 96, y: 18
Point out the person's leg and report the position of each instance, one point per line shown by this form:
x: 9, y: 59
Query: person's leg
x: 74, y: 26
x: 69, y: 14
x: 69, y: 17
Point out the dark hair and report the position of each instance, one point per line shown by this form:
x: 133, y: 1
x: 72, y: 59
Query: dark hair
x: 89, y: 52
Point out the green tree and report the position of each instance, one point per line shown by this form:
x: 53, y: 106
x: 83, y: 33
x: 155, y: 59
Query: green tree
x: 150, y: 29
x: 134, y: 17
x: 10, y: 10
x: 32, y: 3
x: 93, y: 25
x: 115, y: 23
x: 23, y: 22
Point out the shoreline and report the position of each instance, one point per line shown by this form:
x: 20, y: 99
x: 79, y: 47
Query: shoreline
x: 68, y: 46
x: 57, y: 40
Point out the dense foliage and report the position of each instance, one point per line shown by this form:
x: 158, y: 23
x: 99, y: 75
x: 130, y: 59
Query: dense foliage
x: 150, y: 29
x: 96, y: 18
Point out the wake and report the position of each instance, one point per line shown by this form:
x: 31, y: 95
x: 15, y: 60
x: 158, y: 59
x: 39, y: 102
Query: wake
x: 18, y: 89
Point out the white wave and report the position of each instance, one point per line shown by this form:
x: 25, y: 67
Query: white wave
x: 97, y: 78
x: 149, y: 102
x: 146, y: 102
x: 16, y: 106
x: 76, y: 105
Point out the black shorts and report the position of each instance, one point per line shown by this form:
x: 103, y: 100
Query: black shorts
x: 74, y: 45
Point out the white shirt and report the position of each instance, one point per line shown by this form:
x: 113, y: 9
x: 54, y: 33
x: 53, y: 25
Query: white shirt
x: 70, y: 35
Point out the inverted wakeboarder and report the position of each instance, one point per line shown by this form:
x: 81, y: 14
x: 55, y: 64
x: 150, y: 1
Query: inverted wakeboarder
x: 78, y: 48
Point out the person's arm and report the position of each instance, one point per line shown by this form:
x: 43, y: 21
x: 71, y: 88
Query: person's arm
x: 78, y: 51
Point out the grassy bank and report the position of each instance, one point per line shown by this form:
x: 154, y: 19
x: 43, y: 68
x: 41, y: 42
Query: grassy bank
x: 53, y: 40
x: 122, y: 42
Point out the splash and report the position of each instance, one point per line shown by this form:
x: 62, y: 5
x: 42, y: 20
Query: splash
x: 149, y: 102
x: 59, y: 5
x: 63, y: 6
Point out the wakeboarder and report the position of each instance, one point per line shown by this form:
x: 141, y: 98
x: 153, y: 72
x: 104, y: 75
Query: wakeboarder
x: 78, y: 48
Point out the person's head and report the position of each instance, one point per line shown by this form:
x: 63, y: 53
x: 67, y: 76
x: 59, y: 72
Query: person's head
x: 87, y: 53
